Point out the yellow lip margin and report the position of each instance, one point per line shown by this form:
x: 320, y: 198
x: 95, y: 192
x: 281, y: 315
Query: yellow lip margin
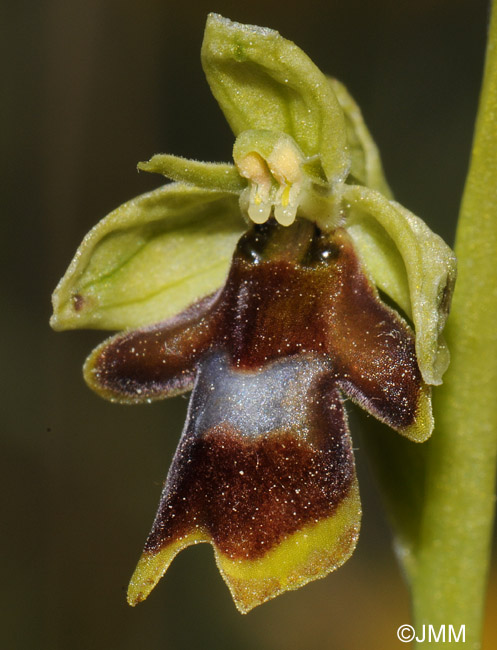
x: 309, y: 554
x: 422, y: 427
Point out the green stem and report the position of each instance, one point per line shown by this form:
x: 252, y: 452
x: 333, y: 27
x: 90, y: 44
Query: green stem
x: 448, y: 572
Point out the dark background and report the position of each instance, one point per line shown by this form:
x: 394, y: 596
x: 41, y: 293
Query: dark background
x: 90, y: 88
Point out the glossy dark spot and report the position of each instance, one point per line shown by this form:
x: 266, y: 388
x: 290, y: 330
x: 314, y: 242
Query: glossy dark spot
x: 322, y: 250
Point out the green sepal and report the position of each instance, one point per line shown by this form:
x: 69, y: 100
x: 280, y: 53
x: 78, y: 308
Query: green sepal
x: 212, y: 176
x: 411, y: 264
x: 149, y: 259
x: 366, y: 165
x: 263, y: 81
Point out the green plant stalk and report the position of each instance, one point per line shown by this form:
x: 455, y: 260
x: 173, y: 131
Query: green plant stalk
x: 449, y: 569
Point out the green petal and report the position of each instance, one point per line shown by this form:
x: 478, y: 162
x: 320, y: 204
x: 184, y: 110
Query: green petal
x: 149, y: 259
x: 366, y: 165
x: 411, y: 264
x: 212, y: 176
x: 263, y: 81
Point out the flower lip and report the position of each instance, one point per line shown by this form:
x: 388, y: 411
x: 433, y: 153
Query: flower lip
x: 290, y: 290
x: 264, y: 461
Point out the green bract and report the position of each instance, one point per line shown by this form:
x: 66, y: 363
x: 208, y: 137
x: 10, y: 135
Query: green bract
x: 302, y: 149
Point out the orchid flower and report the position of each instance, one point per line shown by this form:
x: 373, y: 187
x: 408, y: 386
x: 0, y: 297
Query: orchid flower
x: 261, y: 287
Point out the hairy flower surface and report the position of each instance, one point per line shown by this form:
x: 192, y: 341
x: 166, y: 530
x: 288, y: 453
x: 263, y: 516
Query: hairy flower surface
x: 273, y: 337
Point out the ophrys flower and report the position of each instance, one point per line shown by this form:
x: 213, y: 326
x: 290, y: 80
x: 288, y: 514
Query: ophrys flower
x: 272, y: 341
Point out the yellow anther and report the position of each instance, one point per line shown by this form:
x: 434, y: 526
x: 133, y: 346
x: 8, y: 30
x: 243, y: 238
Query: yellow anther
x: 274, y: 171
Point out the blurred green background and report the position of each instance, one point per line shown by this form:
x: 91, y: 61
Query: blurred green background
x: 90, y: 88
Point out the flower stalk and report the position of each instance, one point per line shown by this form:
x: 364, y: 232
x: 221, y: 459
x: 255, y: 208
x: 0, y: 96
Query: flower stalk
x: 441, y: 495
x: 449, y: 573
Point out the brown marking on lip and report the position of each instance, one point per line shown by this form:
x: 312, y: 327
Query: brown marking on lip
x: 153, y: 362
x: 310, y: 553
x: 249, y: 494
x: 307, y: 295
x: 373, y: 348
x: 324, y: 304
